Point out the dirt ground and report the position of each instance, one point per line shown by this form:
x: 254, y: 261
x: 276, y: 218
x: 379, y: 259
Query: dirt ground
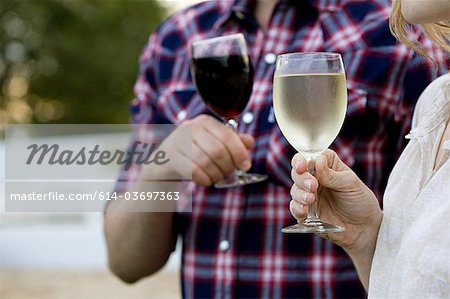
x: 54, y: 284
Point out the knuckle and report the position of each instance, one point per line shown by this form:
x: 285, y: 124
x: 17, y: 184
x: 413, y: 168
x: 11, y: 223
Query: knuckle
x: 205, y: 182
x: 351, y: 179
x: 193, y: 123
x: 239, y: 155
x: 293, y: 191
x: 295, y: 209
x: 202, y: 180
x: 187, y: 122
x: 293, y: 174
x: 199, y: 177
x: 201, y: 118
x: 291, y: 206
x: 297, y: 158
x: 333, y: 179
x: 194, y: 127
x: 226, y: 134
x: 227, y: 168
x: 218, y: 152
x: 203, y: 161
x: 195, y: 171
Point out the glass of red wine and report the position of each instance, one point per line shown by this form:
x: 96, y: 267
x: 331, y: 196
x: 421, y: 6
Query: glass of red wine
x: 223, y: 75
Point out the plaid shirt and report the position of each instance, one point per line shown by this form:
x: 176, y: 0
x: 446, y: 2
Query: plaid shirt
x: 232, y: 244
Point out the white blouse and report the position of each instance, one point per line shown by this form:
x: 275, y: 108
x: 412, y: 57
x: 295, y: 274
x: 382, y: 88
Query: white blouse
x: 412, y: 256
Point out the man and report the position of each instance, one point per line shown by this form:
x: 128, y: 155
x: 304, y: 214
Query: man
x: 232, y: 245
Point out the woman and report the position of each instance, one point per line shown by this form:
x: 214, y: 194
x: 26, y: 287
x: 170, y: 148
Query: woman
x: 402, y: 252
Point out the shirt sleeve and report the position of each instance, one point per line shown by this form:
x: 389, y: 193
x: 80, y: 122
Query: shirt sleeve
x: 143, y: 108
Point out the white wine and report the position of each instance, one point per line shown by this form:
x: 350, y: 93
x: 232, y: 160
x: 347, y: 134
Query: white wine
x: 310, y: 109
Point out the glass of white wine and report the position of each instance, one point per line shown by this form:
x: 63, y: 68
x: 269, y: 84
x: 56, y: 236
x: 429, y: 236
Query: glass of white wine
x: 310, y: 103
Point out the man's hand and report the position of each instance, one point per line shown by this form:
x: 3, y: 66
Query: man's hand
x: 343, y: 199
x: 216, y: 150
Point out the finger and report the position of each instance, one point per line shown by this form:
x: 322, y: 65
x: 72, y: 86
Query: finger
x: 187, y: 168
x: 323, y: 173
x: 183, y: 164
x: 202, y: 161
x: 231, y: 140
x: 333, y: 160
x: 299, y: 163
x: 301, y: 196
x: 298, y: 210
x: 214, y: 150
x: 248, y: 140
x: 330, y: 178
x: 305, y: 181
x: 200, y: 176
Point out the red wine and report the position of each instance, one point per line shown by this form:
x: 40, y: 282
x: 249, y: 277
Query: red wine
x: 224, y: 83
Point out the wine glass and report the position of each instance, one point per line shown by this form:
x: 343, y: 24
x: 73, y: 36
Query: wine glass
x: 223, y: 75
x: 310, y: 103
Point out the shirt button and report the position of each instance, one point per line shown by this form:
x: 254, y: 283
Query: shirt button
x: 239, y: 15
x: 224, y: 245
x: 270, y: 58
x: 182, y: 115
x: 247, y: 118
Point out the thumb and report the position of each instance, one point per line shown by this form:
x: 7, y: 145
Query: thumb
x: 333, y: 178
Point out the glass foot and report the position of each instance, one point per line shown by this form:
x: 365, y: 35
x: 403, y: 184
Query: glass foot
x: 312, y: 227
x: 240, y: 180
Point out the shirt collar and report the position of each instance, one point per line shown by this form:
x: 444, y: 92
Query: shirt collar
x: 230, y: 8
x: 244, y: 7
x: 326, y: 5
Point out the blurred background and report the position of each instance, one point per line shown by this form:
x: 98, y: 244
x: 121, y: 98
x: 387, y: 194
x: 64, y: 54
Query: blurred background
x: 70, y: 62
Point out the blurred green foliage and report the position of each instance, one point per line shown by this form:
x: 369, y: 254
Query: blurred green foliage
x: 71, y: 61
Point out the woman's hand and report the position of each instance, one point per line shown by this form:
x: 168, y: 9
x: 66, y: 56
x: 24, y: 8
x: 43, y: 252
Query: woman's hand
x: 344, y: 200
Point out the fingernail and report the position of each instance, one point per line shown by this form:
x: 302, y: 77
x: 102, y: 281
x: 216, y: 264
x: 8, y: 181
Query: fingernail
x: 307, y: 183
x: 296, y: 165
x: 246, y: 165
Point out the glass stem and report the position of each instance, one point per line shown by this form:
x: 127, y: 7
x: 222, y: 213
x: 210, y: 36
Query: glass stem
x: 312, y: 218
x: 233, y: 124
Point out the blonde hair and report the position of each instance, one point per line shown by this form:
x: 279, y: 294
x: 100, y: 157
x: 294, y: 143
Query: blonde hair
x: 438, y: 32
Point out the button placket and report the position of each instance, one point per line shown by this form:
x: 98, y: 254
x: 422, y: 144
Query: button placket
x: 182, y: 115
x: 270, y: 58
x: 247, y: 118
